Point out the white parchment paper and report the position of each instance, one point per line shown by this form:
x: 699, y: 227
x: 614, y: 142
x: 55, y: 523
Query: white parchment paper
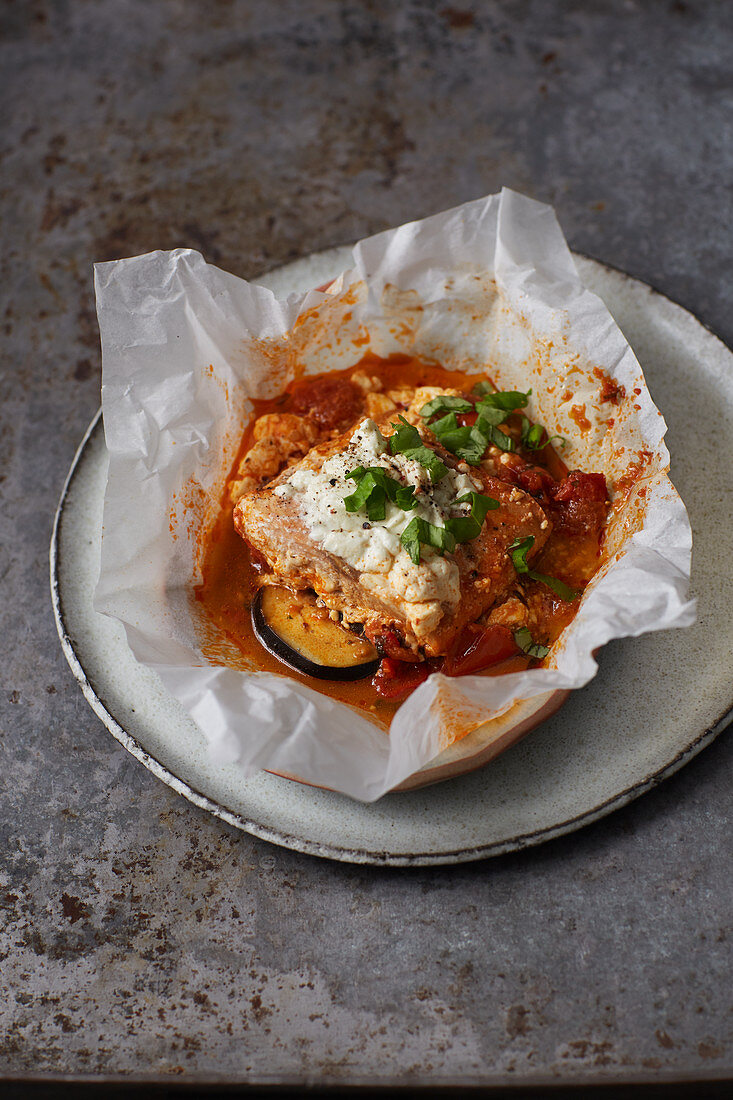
x: 487, y: 287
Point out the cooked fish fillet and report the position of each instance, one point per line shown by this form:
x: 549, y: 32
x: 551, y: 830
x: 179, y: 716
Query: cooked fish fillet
x: 426, y: 605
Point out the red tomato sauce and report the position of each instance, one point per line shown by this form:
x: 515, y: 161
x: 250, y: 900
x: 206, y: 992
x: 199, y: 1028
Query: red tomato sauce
x: 575, y: 501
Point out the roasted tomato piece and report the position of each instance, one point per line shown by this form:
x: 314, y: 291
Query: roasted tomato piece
x: 396, y: 679
x: 388, y: 643
x: 580, y: 503
x: 477, y: 648
x: 331, y: 402
x: 580, y: 486
x: 533, y: 479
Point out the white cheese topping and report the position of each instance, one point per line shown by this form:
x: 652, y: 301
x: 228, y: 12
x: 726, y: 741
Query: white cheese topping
x: 374, y: 548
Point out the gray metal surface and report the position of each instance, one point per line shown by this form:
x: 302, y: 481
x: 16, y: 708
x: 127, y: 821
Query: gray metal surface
x: 137, y: 934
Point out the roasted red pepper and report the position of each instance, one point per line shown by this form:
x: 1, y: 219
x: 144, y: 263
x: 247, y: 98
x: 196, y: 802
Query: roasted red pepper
x: 396, y: 679
x: 477, y: 648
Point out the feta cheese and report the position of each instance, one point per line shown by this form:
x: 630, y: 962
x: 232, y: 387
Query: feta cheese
x: 374, y: 548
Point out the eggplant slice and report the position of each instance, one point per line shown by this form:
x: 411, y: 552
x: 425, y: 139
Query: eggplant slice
x: 302, y: 635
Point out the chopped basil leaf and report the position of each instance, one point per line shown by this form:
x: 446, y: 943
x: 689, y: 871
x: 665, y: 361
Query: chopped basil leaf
x: 427, y: 458
x: 404, y: 498
x: 469, y: 441
x: 365, y: 486
x: 480, y: 505
x: 564, y: 591
x: 493, y: 435
x: 464, y: 528
x: 491, y: 416
x: 404, y: 437
x: 407, y: 440
x: 410, y: 539
x: 534, y: 436
x: 374, y: 488
x: 492, y: 409
x: 523, y: 638
x: 376, y: 505
x: 420, y: 531
x: 446, y: 424
x: 519, y: 550
x: 474, y: 447
x: 370, y: 494
x: 465, y: 442
x: 508, y: 400
x: 445, y: 402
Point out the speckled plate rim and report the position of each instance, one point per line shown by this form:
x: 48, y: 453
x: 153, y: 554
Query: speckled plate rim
x: 333, y: 851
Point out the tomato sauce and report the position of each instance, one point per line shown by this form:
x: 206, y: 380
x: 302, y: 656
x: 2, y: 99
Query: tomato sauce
x: 576, y: 502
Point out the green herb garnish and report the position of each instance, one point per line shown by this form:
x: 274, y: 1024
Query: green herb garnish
x: 490, y: 415
x: 446, y: 403
x: 508, y: 400
x: 419, y: 531
x: 564, y: 591
x: 444, y: 539
x: 374, y: 488
x: 532, y: 435
x: 464, y: 441
x: 519, y: 550
x: 492, y: 409
x: 407, y: 441
x: 523, y: 638
x: 465, y: 528
x: 535, y: 436
x: 469, y: 441
x: 493, y: 435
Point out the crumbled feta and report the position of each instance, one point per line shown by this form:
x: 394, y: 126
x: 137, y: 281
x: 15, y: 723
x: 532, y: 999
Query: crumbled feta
x: 374, y: 548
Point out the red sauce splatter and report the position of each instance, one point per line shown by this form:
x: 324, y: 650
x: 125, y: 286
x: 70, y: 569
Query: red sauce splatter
x: 611, y: 390
x: 577, y: 413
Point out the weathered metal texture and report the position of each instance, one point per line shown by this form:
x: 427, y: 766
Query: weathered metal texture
x: 137, y: 934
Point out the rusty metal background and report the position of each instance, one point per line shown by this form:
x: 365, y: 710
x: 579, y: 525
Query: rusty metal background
x: 138, y: 936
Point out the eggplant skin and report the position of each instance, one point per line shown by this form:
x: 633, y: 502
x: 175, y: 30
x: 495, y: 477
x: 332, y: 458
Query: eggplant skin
x: 267, y: 637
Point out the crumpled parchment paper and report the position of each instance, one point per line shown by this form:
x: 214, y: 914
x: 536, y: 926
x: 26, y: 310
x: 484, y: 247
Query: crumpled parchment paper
x: 489, y: 286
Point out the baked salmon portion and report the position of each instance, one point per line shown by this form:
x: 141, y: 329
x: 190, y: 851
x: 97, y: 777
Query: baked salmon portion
x: 386, y: 562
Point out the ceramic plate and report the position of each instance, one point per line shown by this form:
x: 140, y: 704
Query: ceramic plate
x: 656, y: 701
